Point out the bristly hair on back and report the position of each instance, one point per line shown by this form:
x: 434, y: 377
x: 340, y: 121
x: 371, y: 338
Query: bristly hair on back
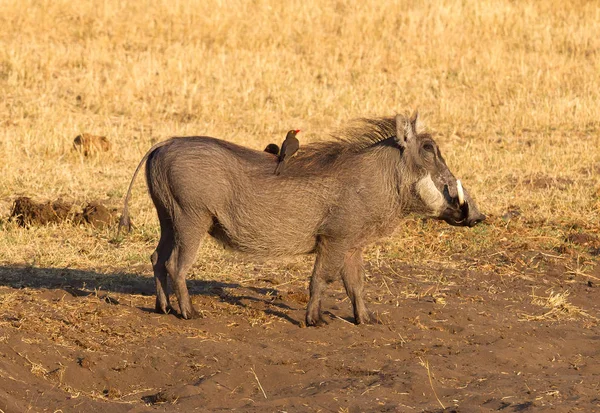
x: 366, y: 132
x: 360, y: 135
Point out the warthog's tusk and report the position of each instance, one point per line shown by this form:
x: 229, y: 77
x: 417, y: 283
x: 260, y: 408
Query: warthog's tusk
x: 461, y: 194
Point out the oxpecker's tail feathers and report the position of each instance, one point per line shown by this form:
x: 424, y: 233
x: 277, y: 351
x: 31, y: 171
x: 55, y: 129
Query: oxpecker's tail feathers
x: 278, y: 168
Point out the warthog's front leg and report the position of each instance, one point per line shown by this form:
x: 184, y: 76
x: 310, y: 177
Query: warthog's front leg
x: 353, y: 277
x: 328, y: 265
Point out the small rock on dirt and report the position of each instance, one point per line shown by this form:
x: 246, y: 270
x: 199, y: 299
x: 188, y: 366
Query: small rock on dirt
x: 112, y: 393
x: 513, y: 211
x: 86, y: 363
x: 173, y: 394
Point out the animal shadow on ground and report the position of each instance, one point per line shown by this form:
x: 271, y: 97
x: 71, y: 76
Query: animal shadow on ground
x: 81, y: 283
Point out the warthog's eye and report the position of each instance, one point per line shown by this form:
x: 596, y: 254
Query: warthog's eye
x: 428, y: 146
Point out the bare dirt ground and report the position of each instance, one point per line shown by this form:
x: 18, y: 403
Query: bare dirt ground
x: 464, y: 340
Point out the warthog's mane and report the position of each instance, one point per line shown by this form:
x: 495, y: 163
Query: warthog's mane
x: 361, y: 135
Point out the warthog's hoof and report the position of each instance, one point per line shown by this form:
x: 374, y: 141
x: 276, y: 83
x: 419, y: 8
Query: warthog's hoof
x: 163, y: 309
x: 315, y: 322
x: 190, y: 314
x: 367, y: 318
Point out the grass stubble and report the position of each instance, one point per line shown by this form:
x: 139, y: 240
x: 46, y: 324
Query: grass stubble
x: 510, y: 90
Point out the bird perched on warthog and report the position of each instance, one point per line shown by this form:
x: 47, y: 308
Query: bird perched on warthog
x: 334, y: 198
x: 288, y: 148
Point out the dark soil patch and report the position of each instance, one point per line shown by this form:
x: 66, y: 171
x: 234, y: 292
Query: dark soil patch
x: 593, y: 169
x: 590, y: 242
x: 542, y: 181
x: 583, y: 239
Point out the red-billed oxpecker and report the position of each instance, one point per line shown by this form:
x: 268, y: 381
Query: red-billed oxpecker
x: 288, y: 149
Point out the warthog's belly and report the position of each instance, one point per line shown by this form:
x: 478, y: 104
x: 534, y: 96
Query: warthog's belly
x: 265, y: 242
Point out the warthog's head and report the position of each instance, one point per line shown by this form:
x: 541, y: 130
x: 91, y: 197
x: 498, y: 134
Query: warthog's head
x: 436, y: 191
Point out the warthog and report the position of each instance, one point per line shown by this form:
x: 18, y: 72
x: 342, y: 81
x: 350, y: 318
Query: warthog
x: 333, y: 199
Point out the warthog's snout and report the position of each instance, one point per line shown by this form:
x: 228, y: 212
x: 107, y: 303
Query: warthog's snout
x: 476, y: 220
x: 472, y: 216
x: 465, y: 216
x: 469, y: 210
x: 472, y: 221
x: 461, y: 209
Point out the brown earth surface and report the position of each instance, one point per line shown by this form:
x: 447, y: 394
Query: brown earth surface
x: 468, y: 340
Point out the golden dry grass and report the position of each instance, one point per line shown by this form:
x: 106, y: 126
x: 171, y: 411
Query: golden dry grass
x: 511, y: 90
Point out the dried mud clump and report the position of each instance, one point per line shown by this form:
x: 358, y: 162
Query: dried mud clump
x: 96, y: 215
x: 91, y: 144
x: 27, y: 212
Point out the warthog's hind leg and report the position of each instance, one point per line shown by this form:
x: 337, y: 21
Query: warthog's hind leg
x: 353, y: 277
x: 160, y: 278
x: 188, y: 232
x: 158, y: 259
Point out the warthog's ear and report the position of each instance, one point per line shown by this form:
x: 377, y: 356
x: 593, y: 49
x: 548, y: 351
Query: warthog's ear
x: 416, y: 123
x: 407, y: 129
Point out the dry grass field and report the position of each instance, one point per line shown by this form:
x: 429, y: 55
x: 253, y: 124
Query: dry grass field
x: 503, y: 316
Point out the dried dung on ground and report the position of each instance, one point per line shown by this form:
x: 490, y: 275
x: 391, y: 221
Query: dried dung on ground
x: 97, y: 215
x: 89, y: 144
x: 27, y: 212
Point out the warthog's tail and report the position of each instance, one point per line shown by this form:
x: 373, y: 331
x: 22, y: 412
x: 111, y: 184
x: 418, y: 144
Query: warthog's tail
x: 125, y: 221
